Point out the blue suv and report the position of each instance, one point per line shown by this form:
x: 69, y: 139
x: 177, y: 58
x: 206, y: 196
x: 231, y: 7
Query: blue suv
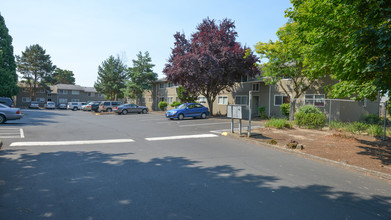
x: 193, y: 110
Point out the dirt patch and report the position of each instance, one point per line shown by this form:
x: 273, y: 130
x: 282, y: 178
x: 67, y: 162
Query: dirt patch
x: 358, y: 150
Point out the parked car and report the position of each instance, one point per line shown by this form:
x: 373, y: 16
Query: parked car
x: 62, y: 106
x: 75, y: 105
x: 34, y: 104
x: 108, y: 106
x: 8, y: 113
x: 88, y: 106
x: 7, y: 101
x: 193, y: 110
x: 50, y: 105
x: 130, y: 108
x: 95, y: 106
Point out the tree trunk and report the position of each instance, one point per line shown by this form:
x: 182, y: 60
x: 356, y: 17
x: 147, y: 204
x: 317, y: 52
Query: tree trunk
x: 210, y: 103
x: 292, y: 107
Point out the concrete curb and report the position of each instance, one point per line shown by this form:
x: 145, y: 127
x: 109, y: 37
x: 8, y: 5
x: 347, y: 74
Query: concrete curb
x: 374, y: 173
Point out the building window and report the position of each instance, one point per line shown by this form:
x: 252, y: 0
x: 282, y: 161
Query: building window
x: 75, y: 92
x: 26, y: 99
x: 62, y: 91
x: 41, y: 90
x: 75, y: 100
x: 170, y: 84
x: 241, y: 100
x: 244, y: 79
x: 222, y: 100
x: 170, y: 99
x: 255, y: 87
x: 40, y: 99
x: 89, y: 94
x: 161, y: 85
x: 316, y: 100
x: 161, y: 99
x: 142, y: 100
x: 280, y: 99
x: 202, y: 99
x: 150, y: 99
x: 62, y: 100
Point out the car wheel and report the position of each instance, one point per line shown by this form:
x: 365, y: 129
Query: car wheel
x: 74, y: 109
x: 108, y: 110
x: 145, y: 111
x: 181, y: 116
x: 203, y: 115
x: 171, y: 119
x: 2, y: 119
x: 124, y: 112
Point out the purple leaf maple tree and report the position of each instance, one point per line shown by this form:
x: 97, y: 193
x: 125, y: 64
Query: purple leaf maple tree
x: 211, y: 61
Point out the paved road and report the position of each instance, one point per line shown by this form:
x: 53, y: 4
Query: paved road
x: 151, y: 175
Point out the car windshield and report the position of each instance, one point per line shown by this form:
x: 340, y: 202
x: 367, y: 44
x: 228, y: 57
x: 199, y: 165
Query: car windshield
x: 90, y: 103
x: 3, y: 106
x: 181, y: 106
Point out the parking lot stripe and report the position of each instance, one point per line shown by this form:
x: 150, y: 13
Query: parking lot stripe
x: 181, y: 137
x: 192, y: 125
x: 21, y: 133
x: 56, y: 143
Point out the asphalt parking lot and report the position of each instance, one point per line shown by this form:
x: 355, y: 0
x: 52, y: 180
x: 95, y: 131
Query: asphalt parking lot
x: 79, y: 165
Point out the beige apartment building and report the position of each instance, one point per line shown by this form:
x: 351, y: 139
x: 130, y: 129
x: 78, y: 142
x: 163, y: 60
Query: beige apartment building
x: 271, y: 97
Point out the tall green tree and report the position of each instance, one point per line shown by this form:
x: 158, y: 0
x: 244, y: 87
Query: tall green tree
x: 349, y: 39
x: 8, y: 76
x: 112, y: 75
x: 36, y: 68
x: 61, y: 76
x: 185, y: 96
x: 285, y: 61
x: 141, y: 76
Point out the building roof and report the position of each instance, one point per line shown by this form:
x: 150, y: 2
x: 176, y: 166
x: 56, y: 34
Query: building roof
x: 69, y: 87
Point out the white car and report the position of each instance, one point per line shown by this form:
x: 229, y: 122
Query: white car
x: 75, y: 105
x: 50, y: 105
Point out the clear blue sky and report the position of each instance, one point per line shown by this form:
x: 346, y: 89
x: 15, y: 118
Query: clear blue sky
x: 80, y: 34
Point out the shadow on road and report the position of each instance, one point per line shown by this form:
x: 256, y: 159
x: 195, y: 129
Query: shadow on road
x: 111, y: 186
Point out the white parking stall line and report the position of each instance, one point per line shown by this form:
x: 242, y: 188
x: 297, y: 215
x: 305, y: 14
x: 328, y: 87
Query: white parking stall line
x: 193, y: 125
x: 244, y: 128
x: 11, y: 133
x: 57, y: 143
x: 181, y: 137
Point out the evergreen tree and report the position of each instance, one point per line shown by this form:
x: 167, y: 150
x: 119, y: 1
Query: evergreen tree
x: 36, y: 67
x: 8, y: 76
x: 61, y: 76
x: 111, y: 78
x: 141, y: 76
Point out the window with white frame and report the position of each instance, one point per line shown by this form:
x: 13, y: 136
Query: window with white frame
x: 142, y: 100
x: 161, y: 85
x: 62, y: 100
x: 255, y: 87
x: 150, y: 99
x: 75, y: 100
x: 161, y: 99
x: 75, y: 92
x: 280, y: 99
x: 26, y: 99
x: 62, y: 91
x: 241, y: 100
x: 202, y: 99
x: 244, y: 79
x: 170, y: 84
x: 222, y: 100
x: 170, y: 99
x: 40, y: 99
x: 316, y: 100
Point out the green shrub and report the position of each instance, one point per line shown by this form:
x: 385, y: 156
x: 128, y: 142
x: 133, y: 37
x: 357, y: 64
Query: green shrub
x: 285, y: 109
x: 309, y: 109
x: 175, y: 104
x: 278, y: 123
x: 162, y: 105
x: 370, y: 119
x: 375, y: 130
x: 309, y: 116
x: 262, y: 112
x: 359, y: 127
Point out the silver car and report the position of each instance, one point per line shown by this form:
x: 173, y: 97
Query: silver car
x: 7, y: 113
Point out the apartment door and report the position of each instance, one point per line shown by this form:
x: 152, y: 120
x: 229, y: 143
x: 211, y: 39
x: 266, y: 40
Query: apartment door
x: 255, y: 105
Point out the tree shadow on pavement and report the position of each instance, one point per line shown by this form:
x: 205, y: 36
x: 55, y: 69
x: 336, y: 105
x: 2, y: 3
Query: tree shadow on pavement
x: 96, y: 185
x: 379, y: 150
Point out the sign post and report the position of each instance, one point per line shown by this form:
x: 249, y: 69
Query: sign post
x: 249, y: 113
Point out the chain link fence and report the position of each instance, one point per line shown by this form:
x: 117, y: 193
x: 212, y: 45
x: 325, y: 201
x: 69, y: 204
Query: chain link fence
x: 343, y: 110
